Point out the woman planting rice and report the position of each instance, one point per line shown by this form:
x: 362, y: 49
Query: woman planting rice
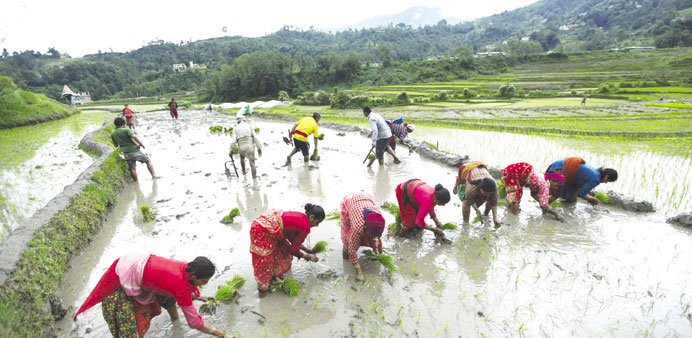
x: 580, y: 178
x: 136, y: 286
x: 417, y: 200
x: 480, y: 189
x: 275, y: 237
x: 361, y: 225
x: 543, y: 187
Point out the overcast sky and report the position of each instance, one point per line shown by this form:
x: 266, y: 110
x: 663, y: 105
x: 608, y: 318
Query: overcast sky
x: 81, y: 27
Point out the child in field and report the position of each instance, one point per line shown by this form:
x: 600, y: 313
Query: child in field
x: 129, y: 116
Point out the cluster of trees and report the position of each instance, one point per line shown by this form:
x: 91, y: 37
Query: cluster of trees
x: 298, y: 60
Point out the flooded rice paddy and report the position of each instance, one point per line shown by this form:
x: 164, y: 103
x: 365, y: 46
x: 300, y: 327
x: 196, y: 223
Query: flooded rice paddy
x: 605, y: 272
x: 38, y: 162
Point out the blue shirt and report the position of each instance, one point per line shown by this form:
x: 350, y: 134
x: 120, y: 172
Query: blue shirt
x: 380, y: 129
x: 586, y: 178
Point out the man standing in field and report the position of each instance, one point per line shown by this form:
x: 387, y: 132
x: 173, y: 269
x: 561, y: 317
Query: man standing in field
x: 173, y: 106
x: 380, y: 136
x: 301, y: 130
x: 246, y: 140
x: 129, y: 145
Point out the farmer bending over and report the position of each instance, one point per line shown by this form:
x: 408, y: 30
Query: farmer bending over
x: 129, y: 145
x: 301, y: 130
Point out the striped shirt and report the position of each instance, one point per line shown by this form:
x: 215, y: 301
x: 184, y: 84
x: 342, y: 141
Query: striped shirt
x: 400, y: 131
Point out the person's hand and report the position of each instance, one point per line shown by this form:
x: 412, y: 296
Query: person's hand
x: 592, y: 200
x: 454, y: 191
x: 141, y: 146
x: 312, y: 258
x: 206, y: 299
x: 259, y: 152
x: 373, y: 146
x: 560, y: 218
x: 497, y: 222
x: 359, y: 276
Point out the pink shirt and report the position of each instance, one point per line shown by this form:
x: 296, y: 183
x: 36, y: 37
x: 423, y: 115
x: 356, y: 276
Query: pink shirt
x: 423, y: 195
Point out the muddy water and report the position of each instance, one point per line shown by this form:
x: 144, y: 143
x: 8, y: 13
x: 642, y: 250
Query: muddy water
x: 644, y: 174
x: 38, y: 161
x: 603, y: 273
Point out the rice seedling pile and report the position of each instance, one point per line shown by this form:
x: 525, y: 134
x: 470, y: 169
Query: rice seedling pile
x: 394, y: 210
x: 601, y: 197
x: 387, y: 261
x: 319, y: 247
x: 229, y: 291
x: 228, y: 219
x: 449, y: 226
x: 208, y: 308
x: 501, y: 190
x: 146, y: 213
x: 289, y: 286
x: 555, y: 204
x: 371, y: 157
x: 333, y: 215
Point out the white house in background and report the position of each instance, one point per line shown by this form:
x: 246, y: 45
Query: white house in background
x: 487, y: 54
x: 179, y: 67
x: 526, y: 38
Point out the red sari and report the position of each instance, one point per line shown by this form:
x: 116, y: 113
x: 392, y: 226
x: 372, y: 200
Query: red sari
x: 270, y: 235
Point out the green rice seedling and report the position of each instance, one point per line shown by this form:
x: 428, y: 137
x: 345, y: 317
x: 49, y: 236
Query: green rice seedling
x: 449, y: 226
x: 477, y: 219
x: 217, y: 129
x: 601, y: 197
x: 208, y: 308
x: 289, y: 286
x: 228, y: 219
x: 371, y: 157
x: 501, y: 190
x: 394, y: 210
x: 229, y: 291
x: 146, y: 213
x: 394, y: 229
x: 333, y: 215
x: 387, y: 262
x: 257, y: 130
x: 320, y: 137
x: 319, y: 247
x: 555, y: 204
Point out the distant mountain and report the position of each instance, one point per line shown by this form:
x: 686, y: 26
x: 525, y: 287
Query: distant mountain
x: 414, y: 17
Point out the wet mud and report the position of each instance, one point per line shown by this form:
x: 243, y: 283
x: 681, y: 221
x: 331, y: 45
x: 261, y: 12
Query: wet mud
x: 605, y: 272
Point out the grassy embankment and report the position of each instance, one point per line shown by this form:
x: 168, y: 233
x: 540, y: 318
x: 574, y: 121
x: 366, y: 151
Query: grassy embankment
x: 34, y: 284
x: 20, y: 108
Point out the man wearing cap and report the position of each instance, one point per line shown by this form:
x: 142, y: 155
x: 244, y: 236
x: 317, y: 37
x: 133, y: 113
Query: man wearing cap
x: 301, y: 130
x: 361, y: 225
x: 380, y: 136
x: 245, y: 138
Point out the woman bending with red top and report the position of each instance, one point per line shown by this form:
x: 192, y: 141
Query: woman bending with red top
x: 136, y: 286
x: 417, y: 200
x: 361, y: 225
x: 275, y: 237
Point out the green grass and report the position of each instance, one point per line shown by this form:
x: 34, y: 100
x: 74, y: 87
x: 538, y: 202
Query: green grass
x: 671, y: 105
x: 20, y: 108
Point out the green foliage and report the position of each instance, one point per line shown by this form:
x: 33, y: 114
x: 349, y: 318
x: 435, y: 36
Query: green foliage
x: 319, y: 247
x: 394, y: 229
x: 449, y: 226
x: 371, y: 157
x: 18, y: 107
x: 601, y: 197
x: 257, y: 130
x: 320, y: 137
x: 229, y: 291
x: 506, y: 91
x: 394, y: 210
x: 147, y: 215
x: 387, y: 261
x: 555, y: 204
x: 228, y: 219
x: 289, y: 286
x: 283, y: 96
x: 333, y: 215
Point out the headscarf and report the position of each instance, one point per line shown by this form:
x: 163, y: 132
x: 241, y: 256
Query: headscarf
x: 557, y: 177
x: 410, y: 127
x: 374, y: 223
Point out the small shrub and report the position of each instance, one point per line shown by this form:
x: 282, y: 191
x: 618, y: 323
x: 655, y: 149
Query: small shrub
x: 283, y: 96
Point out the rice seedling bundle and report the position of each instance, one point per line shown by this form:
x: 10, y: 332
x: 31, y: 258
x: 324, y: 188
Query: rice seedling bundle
x: 394, y: 210
x: 555, y: 204
x: 333, y: 215
x: 289, y: 286
x: 449, y: 226
x: 501, y: 190
x: 387, y: 262
x: 146, y: 213
x: 371, y: 157
x: 601, y: 197
x: 208, y: 308
x: 228, y: 219
x: 229, y: 290
x: 319, y: 247
x: 394, y: 229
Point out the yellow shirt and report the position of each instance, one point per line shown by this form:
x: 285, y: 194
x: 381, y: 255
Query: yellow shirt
x: 306, y: 125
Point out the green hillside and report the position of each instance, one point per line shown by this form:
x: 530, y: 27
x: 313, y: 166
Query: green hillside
x: 19, y: 107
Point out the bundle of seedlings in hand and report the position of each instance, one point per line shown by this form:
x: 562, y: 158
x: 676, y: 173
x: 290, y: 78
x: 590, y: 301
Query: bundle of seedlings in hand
x: 314, y: 156
x: 320, y: 137
x: 478, y: 219
x: 228, y: 130
x: 556, y: 203
x: 229, y: 218
x: 289, y: 286
x: 601, y: 197
x: 319, y: 247
x: 146, y: 213
x: 394, y: 229
x: 394, y: 210
x: 387, y: 262
x: 501, y: 190
x: 333, y: 215
x: 229, y: 291
x: 208, y: 308
x: 371, y: 157
x: 257, y: 130
x: 449, y: 226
